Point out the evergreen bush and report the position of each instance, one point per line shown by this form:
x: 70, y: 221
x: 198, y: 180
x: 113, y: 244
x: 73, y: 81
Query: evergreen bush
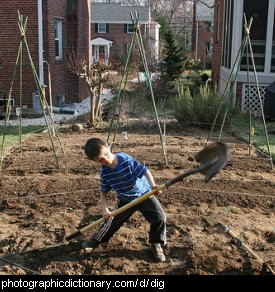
x: 200, y: 108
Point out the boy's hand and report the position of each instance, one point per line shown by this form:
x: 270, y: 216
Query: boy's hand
x: 106, y: 214
x: 157, y: 192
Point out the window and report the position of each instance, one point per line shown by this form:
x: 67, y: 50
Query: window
x: 58, y: 39
x: 130, y: 28
x: 61, y: 98
x: 209, y: 48
x: 259, y: 11
x: 228, y: 33
x: 102, y: 28
x: 4, y: 102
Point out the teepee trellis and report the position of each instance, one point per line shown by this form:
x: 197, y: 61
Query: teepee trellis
x: 137, y: 38
x: 22, y: 24
x: 228, y: 93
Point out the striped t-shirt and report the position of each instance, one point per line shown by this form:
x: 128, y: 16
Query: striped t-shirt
x: 127, y: 178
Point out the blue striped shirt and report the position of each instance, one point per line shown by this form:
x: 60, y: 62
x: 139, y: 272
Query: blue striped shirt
x: 127, y: 178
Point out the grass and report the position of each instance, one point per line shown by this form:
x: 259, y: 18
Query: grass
x: 12, y: 134
x: 240, y: 127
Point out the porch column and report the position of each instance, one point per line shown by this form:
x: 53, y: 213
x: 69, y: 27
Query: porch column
x: 237, y: 29
x: 108, y: 54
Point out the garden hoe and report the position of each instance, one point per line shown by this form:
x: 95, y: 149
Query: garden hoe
x: 212, y: 159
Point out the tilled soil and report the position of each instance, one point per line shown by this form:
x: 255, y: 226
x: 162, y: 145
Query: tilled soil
x: 40, y: 205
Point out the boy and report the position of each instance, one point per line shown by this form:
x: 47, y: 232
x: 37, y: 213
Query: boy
x: 130, y: 179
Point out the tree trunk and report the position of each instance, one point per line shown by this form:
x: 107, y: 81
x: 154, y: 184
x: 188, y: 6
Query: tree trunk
x: 98, y: 99
x: 92, y: 96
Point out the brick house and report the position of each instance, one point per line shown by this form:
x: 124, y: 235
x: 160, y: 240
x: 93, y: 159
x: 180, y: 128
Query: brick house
x: 54, y: 28
x: 202, y: 32
x: 112, y: 30
x: 228, y: 35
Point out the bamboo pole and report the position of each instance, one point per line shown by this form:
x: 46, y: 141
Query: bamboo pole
x: 122, y: 96
x: 260, y: 101
x: 238, y: 59
x: 259, y: 94
x: 41, y: 91
x: 42, y: 97
x: 20, y: 95
x: 147, y: 74
x: 22, y: 27
x: 137, y: 35
x: 50, y: 93
x: 39, y: 87
x: 261, y: 107
x: 249, y: 100
x: 122, y: 85
x: 9, y: 102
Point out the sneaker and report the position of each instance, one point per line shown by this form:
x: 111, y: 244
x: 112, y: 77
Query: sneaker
x: 157, y: 252
x: 90, y: 244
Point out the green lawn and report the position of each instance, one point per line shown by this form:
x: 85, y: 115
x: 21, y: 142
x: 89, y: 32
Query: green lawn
x: 240, y: 127
x: 12, y: 134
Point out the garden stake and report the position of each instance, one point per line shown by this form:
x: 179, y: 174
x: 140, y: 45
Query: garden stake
x: 211, y: 221
x: 212, y: 159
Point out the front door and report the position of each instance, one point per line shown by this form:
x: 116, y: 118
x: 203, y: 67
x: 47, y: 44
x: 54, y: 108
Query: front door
x: 99, y: 53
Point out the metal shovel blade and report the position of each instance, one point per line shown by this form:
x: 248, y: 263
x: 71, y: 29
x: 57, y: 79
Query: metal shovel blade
x: 212, y: 159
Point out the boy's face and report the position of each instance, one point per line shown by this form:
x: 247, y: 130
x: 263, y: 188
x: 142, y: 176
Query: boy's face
x: 105, y: 157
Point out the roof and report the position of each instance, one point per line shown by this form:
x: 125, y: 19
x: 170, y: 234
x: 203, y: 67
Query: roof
x: 116, y: 13
x: 101, y: 42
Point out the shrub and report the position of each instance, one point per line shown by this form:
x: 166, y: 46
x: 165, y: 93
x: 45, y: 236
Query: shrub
x: 201, y: 108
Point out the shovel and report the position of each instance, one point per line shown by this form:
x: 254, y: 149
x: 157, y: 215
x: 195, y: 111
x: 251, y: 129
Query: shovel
x: 212, y: 159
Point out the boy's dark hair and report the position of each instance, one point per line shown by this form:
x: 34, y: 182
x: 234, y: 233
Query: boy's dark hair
x: 93, y: 147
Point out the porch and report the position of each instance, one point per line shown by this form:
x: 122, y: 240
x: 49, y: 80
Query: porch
x: 262, y: 35
x: 100, y: 50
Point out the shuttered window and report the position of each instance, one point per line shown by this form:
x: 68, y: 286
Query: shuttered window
x: 102, y: 27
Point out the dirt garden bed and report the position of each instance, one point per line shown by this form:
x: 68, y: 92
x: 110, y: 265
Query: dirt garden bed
x: 40, y: 205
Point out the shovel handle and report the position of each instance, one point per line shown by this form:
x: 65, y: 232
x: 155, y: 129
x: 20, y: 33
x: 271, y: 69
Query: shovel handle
x: 181, y: 176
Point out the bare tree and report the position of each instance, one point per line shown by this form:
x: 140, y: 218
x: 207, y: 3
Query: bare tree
x: 179, y: 14
x: 94, y: 76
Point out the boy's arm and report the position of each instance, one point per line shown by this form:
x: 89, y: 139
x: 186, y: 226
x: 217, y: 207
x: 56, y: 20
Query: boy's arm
x: 104, y: 204
x: 151, y: 180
